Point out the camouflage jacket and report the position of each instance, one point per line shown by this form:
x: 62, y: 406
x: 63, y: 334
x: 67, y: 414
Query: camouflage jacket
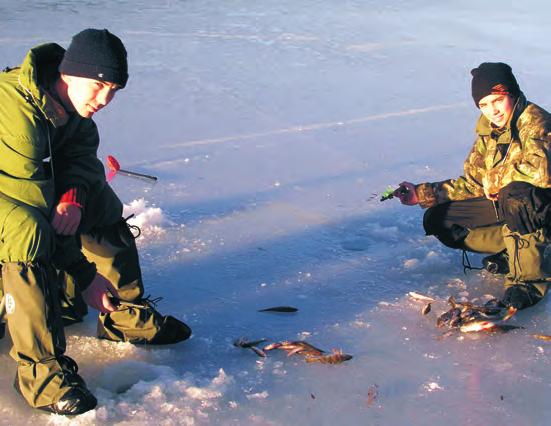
x: 519, y: 151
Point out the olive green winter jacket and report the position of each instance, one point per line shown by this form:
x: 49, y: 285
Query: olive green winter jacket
x: 520, y: 151
x: 34, y: 126
x: 45, y: 151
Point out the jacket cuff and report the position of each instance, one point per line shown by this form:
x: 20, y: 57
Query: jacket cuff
x: 75, y: 196
x: 83, y: 272
x: 426, y: 195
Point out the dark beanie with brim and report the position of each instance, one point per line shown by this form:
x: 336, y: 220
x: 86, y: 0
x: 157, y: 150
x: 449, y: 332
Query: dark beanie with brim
x: 96, y: 54
x: 492, y: 78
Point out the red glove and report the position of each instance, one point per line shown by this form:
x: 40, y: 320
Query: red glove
x: 407, y: 194
x: 97, y: 294
x: 66, y: 218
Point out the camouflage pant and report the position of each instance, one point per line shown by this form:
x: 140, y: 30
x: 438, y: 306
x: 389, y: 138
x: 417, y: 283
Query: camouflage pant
x: 32, y: 289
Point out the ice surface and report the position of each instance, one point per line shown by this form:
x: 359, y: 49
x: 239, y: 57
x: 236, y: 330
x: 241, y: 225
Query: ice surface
x: 274, y: 127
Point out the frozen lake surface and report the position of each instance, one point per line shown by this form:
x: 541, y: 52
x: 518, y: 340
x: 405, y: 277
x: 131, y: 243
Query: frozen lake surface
x: 274, y: 127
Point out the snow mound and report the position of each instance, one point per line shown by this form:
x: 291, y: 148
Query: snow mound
x: 160, y: 396
x: 150, y: 220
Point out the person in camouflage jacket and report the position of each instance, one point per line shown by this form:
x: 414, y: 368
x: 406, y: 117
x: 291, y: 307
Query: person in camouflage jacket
x: 63, y: 242
x: 501, y: 204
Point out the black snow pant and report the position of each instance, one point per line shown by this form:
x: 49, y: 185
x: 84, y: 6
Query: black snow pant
x: 524, y: 208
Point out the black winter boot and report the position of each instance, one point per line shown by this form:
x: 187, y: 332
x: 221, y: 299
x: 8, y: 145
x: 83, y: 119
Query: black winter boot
x: 77, y: 400
x: 138, y: 322
x: 521, y: 296
x: 529, y: 267
x: 172, y: 331
x: 497, y: 263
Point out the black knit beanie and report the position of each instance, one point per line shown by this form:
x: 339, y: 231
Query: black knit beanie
x: 96, y: 54
x: 493, y: 78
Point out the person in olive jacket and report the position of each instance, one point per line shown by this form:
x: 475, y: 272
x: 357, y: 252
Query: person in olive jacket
x: 62, y: 236
x: 501, y: 204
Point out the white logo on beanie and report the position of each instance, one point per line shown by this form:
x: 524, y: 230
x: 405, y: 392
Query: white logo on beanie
x: 100, y: 75
x: 10, y: 303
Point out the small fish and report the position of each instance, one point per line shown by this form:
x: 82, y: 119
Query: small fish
x: 456, y: 319
x: 473, y: 315
x: 484, y: 311
x: 510, y: 312
x: 301, y: 347
x: 474, y: 326
x: 279, y: 309
x: 450, y: 318
x: 541, y: 336
x: 336, y: 357
x: 258, y: 351
x: 295, y: 347
x: 442, y: 320
x: 465, y: 313
x: 452, y: 302
x: 272, y: 346
x: 242, y: 342
x: 481, y: 313
x: 426, y: 309
x: 420, y: 297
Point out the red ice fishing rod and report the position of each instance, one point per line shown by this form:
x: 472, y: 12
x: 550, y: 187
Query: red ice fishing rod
x: 115, y: 167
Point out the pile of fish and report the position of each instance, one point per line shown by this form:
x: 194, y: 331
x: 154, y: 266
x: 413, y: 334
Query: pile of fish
x: 471, y: 318
x: 299, y: 347
x: 468, y: 317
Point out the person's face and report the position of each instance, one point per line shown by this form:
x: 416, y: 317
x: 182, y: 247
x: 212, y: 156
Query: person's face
x: 88, y: 96
x: 497, y: 108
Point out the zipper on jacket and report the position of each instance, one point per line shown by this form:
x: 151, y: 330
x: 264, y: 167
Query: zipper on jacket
x: 29, y: 98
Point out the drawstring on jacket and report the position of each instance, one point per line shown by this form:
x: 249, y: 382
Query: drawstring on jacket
x: 134, y: 229
x: 467, y: 263
x: 520, y: 243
